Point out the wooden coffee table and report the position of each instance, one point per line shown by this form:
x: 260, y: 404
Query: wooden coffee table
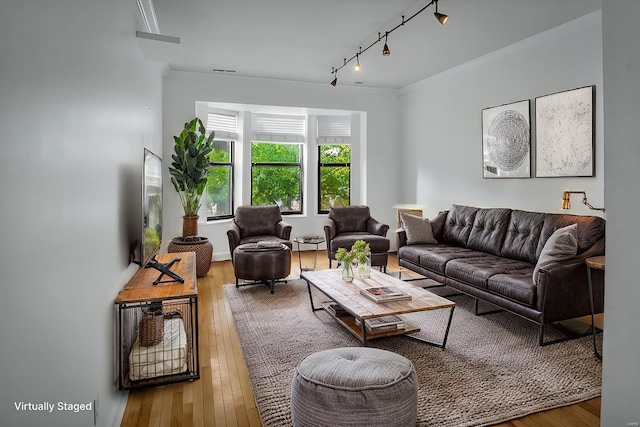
x: 360, y: 308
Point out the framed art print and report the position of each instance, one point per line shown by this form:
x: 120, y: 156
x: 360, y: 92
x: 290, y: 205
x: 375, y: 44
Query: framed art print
x: 565, y: 133
x: 506, y: 141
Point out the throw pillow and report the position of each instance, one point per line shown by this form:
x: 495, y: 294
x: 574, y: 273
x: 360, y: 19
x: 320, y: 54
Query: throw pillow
x: 418, y: 229
x: 561, y: 245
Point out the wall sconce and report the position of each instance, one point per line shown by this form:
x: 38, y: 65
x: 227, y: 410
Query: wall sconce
x: 566, y: 200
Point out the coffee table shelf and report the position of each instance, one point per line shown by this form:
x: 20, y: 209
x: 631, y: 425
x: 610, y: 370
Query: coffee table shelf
x: 349, y: 322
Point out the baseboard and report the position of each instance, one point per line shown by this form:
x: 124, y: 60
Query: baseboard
x: 115, y: 418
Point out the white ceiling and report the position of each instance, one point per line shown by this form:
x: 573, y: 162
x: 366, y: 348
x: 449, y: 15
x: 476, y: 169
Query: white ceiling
x: 302, y: 39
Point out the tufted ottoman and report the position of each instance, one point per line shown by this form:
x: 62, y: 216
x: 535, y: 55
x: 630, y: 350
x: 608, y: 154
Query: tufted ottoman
x: 262, y: 264
x: 354, y: 386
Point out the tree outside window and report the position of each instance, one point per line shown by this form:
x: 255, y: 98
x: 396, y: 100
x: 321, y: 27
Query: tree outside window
x: 219, y: 190
x: 276, y: 175
x: 334, y: 176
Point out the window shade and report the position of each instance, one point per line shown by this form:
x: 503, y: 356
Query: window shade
x: 277, y: 128
x: 224, y: 125
x: 334, y: 129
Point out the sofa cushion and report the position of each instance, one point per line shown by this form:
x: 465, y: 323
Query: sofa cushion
x: 523, y: 233
x: 476, y: 271
x: 591, y: 229
x: 418, y: 229
x: 376, y: 243
x: 517, y: 286
x: 257, y: 220
x: 489, y: 229
x: 350, y: 218
x: 563, y: 244
x: 435, y: 257
x: 437, y: 224
x: 457, y: 227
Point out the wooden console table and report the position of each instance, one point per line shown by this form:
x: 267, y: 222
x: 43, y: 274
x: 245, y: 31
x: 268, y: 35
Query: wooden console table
x: 159, y: 364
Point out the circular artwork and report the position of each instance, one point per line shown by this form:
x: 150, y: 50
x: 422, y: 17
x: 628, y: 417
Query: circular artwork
x: 508, y: 140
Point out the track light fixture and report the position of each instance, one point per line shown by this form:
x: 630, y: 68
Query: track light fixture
x: 385, y: 49
x: 441, y: 17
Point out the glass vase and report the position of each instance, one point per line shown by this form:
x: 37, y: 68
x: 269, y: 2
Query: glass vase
x: 347, y: 272
x: 364, y: 267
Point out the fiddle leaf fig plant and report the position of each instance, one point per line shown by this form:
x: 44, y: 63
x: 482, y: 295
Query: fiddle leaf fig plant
x: 190, y: 164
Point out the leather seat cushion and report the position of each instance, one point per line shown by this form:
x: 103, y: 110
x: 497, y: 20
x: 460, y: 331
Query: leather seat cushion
x: 476, y: 271
x: 346, y: 240
x: 517, y: 286
x: 437, y: 257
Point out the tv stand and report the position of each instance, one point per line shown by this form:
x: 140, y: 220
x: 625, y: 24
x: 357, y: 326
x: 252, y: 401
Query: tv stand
x: 165, y: 268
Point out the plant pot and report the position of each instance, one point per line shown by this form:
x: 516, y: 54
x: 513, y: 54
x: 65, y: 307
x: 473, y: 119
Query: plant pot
x: 190, y: 225
x: 200, y: 245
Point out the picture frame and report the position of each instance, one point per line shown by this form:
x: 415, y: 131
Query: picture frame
x: 565, y: 133
x: 506, y: 140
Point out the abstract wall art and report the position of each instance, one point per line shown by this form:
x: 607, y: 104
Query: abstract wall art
x: 506, y: 141
x: 565, y: 133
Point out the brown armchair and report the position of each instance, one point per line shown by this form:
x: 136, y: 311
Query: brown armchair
x: 253, y: 224
x: 346, y: 224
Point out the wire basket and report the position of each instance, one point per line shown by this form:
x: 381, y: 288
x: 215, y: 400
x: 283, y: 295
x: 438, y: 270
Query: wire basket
x: 151, y: 327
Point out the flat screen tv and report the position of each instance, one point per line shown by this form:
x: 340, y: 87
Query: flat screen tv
x: 152, y: 217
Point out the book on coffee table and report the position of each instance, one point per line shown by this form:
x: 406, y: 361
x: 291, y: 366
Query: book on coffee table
x: 384, y: 294
x: 384, y: 323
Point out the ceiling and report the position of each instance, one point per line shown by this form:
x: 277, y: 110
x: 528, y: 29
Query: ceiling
x: 301, y: 40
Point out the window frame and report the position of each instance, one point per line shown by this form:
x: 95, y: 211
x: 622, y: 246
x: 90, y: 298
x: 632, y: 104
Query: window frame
x: 299, y: 165
x: 321, y: 164
x: 231, y: 165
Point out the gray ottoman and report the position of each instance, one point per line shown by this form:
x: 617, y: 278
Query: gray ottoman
x: 354, y: 386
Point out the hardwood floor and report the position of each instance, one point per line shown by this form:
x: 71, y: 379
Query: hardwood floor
x: 223, y: 395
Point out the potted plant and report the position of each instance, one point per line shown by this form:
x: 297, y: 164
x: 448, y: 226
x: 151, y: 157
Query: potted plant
x: 188, y: 169
x: 359, y: 254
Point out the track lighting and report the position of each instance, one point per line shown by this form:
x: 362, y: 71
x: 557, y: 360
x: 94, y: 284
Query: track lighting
x: 441, y: 17
x: 385, y: 49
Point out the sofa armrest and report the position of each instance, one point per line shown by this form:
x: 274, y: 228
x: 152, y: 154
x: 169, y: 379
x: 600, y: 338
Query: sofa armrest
x: 283, y: 230
x: 233, y: 234
x: 401, y: 237
x: 329, y: 230
x: 563, y: 291
x: 376, y: 227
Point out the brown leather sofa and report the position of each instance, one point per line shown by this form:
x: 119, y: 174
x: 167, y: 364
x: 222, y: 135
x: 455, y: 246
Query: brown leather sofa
x: 346, y: 224
x: 490, y: 254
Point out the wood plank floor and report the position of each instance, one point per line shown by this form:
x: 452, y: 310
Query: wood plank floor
x: 223, y: 395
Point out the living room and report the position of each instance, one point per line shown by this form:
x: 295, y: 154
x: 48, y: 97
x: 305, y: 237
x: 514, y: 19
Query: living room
x: 79, y: 101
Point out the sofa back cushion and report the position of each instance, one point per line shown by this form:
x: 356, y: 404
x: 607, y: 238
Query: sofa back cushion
x: 590, y: 229
x: 437, y: 224
x: 489, y: 229
x: 350, y: 218
x: 257, y: 220
x: 523, y: 234
x: 458, y: 225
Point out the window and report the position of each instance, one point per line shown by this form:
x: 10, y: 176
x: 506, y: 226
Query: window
x: 334, y: 176
x: 218, y: 195
x: 219, y: 189
x: 276, y: 175
x: 334, y: 162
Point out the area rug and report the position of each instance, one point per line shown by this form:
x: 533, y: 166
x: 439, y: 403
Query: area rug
x: 491, y: 371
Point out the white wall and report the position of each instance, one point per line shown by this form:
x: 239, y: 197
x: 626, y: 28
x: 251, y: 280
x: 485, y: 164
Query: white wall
x: 77, y: 104
x: 441, y: 118
x: 621, y: 359
x: 182, y: 90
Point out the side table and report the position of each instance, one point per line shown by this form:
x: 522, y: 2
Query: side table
x: 594, y: 263
x: 309, y: 240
